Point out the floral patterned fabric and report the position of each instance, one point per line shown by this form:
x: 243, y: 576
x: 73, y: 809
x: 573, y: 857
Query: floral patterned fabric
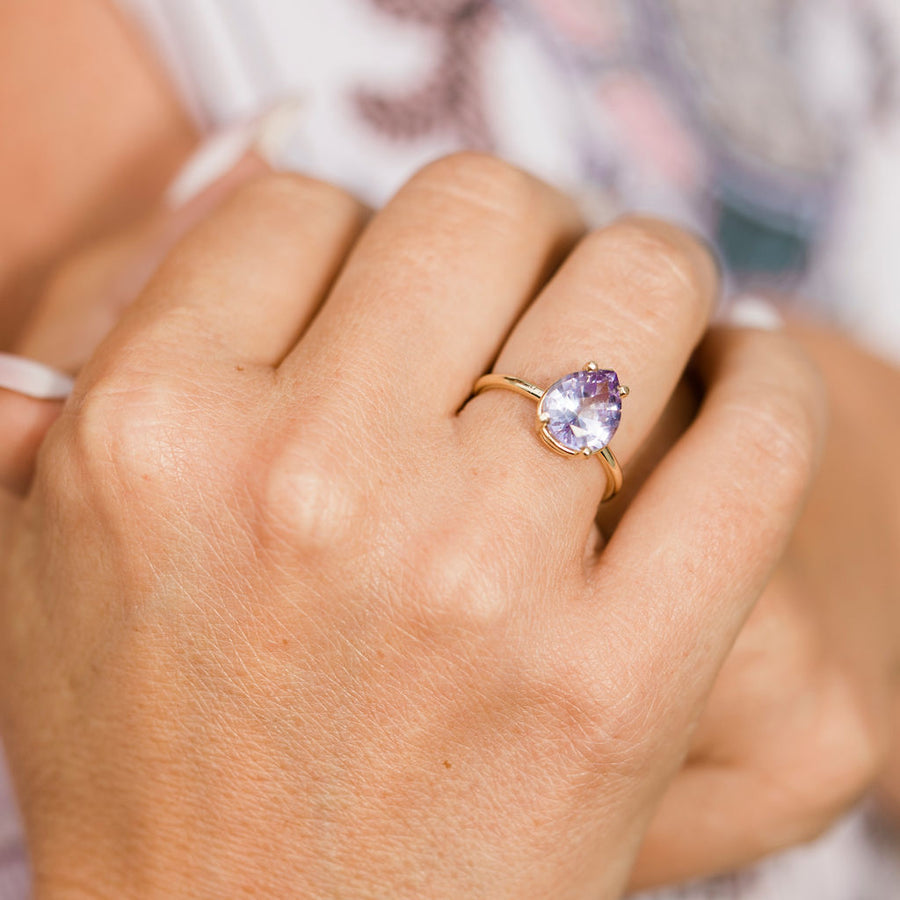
x: 771, y: 126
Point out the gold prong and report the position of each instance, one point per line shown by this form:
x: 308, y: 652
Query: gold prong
x: 544, y: 418
x: 587, y: 452
x: 555, y: 445
x: 624, y: 390
x: 591, y: 367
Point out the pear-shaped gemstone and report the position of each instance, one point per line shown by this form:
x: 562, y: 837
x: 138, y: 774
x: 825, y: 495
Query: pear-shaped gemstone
x: 583, y: 409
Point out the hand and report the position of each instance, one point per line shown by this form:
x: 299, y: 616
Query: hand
x: 798, y: 726
x: 279, y: 615
x: 85, y: 295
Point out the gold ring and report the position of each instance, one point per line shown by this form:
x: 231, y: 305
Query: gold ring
x: 576, y: 416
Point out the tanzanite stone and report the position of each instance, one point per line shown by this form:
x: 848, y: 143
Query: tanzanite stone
x: 583, y: 409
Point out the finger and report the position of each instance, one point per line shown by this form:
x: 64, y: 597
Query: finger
x: 791, y: 735
x: 31, y: 397
x: 81, y: 304
x: 723, y: 815
x: 693, y: 832
x: 701, y: 539
x: 242, y: 285
x: 24, y: 422
x: 437, y: 280
x: 634, y: 297
x: 672, y: 423
x: 731, y: 804
x: 91, y: 289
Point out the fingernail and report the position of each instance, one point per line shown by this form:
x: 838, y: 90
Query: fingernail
x: 275, y: 131
x: 33, y: 379
x: 750, y: 311
x: 267, y: 135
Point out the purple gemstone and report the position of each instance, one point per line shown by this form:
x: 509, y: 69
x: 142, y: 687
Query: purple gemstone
x: 584, y: 409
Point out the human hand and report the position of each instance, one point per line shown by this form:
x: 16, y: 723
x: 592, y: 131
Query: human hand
x: 798, y: 725
x: 278, y: 616
x: 88, y: 289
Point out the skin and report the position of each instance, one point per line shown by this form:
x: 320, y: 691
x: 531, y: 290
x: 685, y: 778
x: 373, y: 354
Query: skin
x: 799, y: 724
x: 810, y: 676
x: 329, y: 648
x: 73, y: 75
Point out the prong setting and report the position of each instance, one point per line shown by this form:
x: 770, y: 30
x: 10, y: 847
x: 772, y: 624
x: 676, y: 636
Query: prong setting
x: 578, y: 414
x: 582, y: 409
x: 555, y: 445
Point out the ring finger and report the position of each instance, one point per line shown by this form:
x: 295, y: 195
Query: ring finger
x: 635, y: 298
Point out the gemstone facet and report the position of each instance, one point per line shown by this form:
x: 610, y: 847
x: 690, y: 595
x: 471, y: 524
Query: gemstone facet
x: 581, y: 411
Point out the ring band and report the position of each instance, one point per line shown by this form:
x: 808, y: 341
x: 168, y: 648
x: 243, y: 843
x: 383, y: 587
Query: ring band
x: 576, y: 416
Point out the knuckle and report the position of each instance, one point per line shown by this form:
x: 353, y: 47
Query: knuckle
x: 484, y: 182
x: 605, y: 728
x: 779, y: 431
x: 286, y: 198
x: 781, y: 419
x: 452, y: 582
x: 124, y: 425
x: 669, y: 276
x: 305, y: 502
